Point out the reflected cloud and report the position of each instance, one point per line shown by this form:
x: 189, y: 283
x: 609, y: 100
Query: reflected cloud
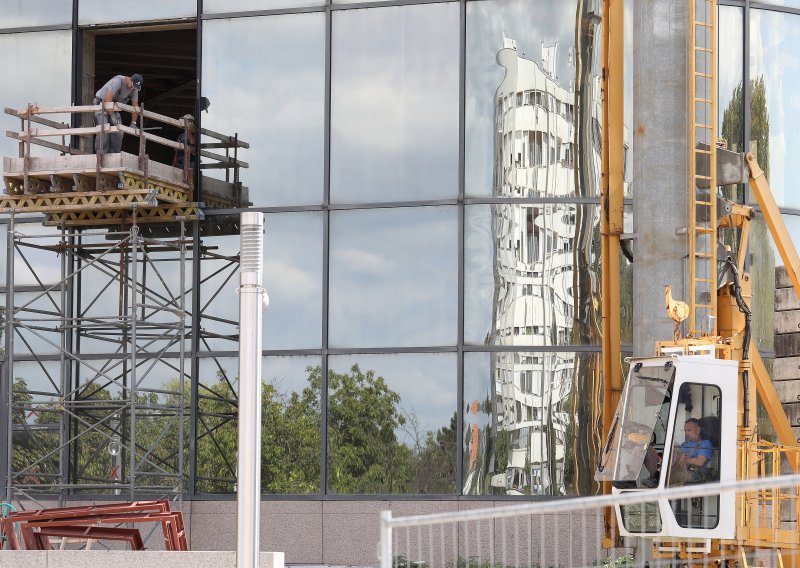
x: 103, y: 12
x: 274, y: 101
x: 17, y: 14
x: 408, y: 296
x: 394, y: 104
x: 40, y: 63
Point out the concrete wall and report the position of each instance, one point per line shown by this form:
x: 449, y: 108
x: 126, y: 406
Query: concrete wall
x: 660, y: 165
x: 118, y: 559
x: 347, y: 532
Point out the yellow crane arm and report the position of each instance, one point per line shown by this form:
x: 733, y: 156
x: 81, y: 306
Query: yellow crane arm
x: 783, y: 241
x: 777, y: 227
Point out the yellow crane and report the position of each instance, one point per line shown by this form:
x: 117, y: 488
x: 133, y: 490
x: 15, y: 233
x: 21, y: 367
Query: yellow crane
x: 688, y: 415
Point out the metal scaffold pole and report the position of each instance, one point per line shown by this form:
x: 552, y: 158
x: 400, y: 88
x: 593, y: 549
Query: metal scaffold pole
x: 8, y: 375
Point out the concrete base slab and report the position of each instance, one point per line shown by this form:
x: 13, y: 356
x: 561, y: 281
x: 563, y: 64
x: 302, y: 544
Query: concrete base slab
x: 120, y: 559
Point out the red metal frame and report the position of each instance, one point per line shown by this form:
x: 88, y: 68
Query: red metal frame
x: 40, y: 540
x: 68, y: 519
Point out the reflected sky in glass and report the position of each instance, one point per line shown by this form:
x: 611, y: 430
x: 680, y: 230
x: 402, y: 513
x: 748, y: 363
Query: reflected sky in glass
x: 521, y: 267
x: 729, y: 75
x: 99, y: 293
x: 35, y: 374
x: 529, y: 418
x: 394, y: 104
x: 265, y: 77
x: 292, y: 278
x: 212, y: 369
x: 23, y: 13
x: 393, y: 277
x: 775, y: 56
x: 224, y: 6
x: 288, y: 374
x: 41, y: 66
x: 34, y: 266
x: 103, y: 12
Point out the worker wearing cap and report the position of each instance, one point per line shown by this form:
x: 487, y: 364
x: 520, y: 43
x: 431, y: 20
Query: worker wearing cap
x: 119, y: 89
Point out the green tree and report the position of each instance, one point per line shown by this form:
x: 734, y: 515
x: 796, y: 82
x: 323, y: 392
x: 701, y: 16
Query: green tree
x: 363, y: 416
x: 34, y: 452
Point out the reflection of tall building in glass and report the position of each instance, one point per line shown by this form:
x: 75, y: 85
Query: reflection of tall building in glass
x: 540, y: 287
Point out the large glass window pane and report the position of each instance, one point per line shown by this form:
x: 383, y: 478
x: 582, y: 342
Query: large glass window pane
x: 103, y: 12
x: 394, y: 104
x: 23, y: 13
x: 265, y: 77
x: 290, y: 446
x: 290, y: 423
x: 292, y: 278
x: 531, y: 274
x: 730, y: 73
x: 529, y: 88
x: 41, y: 66
x: 774, y: 109
x: 392, y: 423
x: 227, y: 6
x: 393, y: 277
x: 530, y: 423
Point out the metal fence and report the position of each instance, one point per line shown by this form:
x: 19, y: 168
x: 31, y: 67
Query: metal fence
x: 544, y: 534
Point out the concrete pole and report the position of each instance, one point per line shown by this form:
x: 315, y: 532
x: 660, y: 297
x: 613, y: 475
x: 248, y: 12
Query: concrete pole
x: 248, y: 482
x: 660, y: 165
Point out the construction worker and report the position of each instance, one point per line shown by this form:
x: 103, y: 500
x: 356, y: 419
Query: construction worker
x: 119, y: 89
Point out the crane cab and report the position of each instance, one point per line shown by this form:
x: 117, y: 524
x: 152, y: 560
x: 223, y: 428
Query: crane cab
x: 675, y: 424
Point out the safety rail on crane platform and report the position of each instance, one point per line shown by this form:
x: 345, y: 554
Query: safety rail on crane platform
x: 28, y: 135
x: 557, y: 532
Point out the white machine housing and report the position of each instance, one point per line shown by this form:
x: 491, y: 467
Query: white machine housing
x: 693, y: 374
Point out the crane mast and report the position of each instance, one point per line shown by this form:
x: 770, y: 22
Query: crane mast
x: 689, y: 415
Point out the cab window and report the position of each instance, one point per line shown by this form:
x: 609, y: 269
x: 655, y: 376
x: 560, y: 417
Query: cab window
x: 695, y: 452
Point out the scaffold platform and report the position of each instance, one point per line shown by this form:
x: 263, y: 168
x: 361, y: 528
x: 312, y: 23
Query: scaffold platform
x: 78, y: 189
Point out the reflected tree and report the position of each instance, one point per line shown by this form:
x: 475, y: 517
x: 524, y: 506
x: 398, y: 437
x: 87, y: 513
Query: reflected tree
x: 34, y: 453
x: 365, y: 452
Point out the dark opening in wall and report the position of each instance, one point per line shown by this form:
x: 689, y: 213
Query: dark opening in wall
x: 165, y: 55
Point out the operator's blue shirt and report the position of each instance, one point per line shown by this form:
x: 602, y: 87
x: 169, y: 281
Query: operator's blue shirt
x: 698, y: 448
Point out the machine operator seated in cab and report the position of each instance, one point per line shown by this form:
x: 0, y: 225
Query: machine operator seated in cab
x: 693, y: 460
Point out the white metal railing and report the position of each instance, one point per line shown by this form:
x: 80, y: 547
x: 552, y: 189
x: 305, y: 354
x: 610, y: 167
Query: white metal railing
x: 484, y: 544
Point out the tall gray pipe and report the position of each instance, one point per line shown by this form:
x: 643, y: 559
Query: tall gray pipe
x: 660, y: 165
x: 248, y: 478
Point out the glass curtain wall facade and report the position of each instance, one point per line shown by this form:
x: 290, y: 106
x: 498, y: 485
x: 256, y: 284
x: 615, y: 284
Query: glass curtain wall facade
x: 430, y: 175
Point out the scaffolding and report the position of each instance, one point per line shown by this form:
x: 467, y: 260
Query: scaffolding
x: 95, y: 346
